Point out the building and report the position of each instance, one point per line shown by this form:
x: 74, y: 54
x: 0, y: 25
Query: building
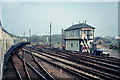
x: 79, y: 37
x: 100, y: 42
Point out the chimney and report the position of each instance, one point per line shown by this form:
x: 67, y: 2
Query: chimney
x: 79, y: 22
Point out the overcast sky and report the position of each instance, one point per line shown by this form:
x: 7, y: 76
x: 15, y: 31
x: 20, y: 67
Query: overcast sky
x: 19, y: 17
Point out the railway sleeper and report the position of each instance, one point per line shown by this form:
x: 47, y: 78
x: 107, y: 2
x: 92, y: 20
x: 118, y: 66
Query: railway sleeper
x: 37, y: 73
x: 89, y: 65
x: 93, y: 66
x: 81, y: 76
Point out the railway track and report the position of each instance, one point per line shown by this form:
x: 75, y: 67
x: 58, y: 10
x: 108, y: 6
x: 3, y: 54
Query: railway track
x: 110, y: 60
x: 87, y: 67
x: 65, y: 66
x: 113, y: 61
x: 11, y: 72
x: 26, y: 67
x: 83, y: 57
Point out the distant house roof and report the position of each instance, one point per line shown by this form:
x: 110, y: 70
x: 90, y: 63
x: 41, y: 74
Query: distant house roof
x: 79, y: 26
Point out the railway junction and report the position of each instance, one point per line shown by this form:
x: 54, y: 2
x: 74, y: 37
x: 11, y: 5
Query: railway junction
x: 30, y: 62
x: 21, y: 60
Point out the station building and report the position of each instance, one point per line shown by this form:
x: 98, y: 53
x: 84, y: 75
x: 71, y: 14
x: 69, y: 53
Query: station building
x: 79, y: 37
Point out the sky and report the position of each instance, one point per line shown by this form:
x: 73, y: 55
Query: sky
x: 19, y: 17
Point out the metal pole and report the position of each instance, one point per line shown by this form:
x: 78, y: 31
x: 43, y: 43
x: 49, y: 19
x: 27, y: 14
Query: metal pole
x: 50, y: 34
x: 62, y: 36
x: 93, y: 35
x: 93, y: 46
x: 29, y: 34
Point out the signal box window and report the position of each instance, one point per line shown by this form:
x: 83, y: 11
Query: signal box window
x: 71, y: 44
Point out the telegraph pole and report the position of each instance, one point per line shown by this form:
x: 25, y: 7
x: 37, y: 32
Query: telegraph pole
x: 50, y: 34
x: 62, y: 37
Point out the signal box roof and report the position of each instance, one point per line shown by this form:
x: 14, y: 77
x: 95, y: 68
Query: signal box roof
x: 79, y: 26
